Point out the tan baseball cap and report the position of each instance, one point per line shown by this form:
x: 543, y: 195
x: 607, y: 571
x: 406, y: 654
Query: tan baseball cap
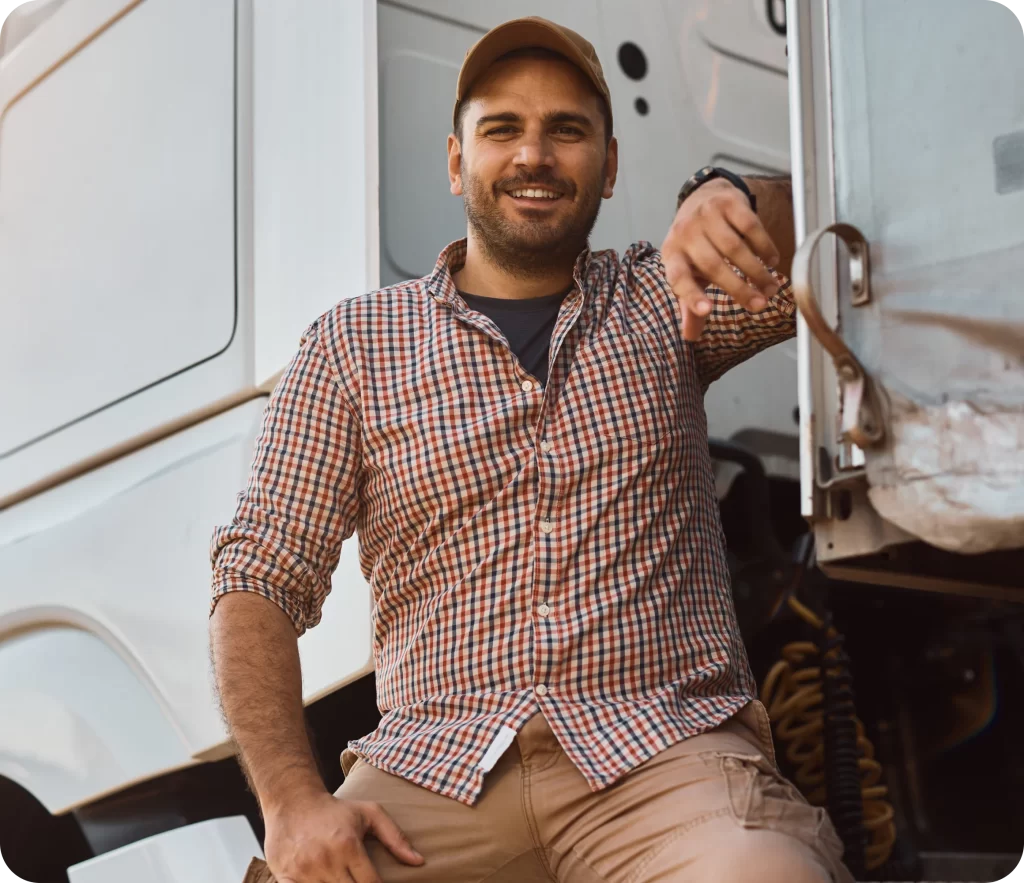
x: 522, y: 33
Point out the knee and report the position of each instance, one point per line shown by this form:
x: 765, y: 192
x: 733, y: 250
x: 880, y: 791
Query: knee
x: 765, y: 857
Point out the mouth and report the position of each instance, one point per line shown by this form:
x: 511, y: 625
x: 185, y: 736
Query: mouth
x: 533, y: 197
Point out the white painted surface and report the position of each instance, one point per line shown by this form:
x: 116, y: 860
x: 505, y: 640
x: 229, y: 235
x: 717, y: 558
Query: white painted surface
x: 743, y: 29
x: 19, y: 19
x: 77, y: 718
x: 953, y: 475
x: 122, y: 553
x: 159, y: 292
x: 315, y: 166
x: 801, y: 142
x: 217, y: 851
x: 116, y: 211
x: 943, y: 333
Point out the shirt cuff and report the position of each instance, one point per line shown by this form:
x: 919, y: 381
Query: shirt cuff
x: 293, y: 607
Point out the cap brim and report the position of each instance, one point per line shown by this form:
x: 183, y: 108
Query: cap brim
x: 516, y: 35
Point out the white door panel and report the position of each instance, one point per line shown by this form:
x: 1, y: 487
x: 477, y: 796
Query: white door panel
x: 746, y: 29
x: 116, y: 209
x: 918, y: 145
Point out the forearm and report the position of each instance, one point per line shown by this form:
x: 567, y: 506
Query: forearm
x: 775, y: 210
x: 256, y: 661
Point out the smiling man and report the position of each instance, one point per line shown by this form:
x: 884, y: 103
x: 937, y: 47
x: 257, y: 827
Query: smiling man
x: 520, y: 439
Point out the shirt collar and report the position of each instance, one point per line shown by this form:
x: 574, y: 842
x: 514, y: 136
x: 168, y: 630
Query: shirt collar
x: 441, y: 283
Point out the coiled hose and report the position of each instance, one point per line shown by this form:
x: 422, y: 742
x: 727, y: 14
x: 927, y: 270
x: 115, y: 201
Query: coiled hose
x: 833, y: 760
x: 842, y: 750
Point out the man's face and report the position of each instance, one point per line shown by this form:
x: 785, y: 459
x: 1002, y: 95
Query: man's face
x: 532, y: 167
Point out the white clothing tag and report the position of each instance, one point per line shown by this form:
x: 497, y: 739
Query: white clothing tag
x: 498, y: 747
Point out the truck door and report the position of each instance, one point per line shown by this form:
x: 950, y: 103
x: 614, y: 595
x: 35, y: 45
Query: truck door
x: 907, y: 124
x: 117, y: 226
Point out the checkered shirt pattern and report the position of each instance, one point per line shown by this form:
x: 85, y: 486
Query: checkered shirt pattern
x: 552, y: 548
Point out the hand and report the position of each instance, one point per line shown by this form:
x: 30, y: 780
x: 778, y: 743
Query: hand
x: 715, y: 224
x: 319, y: 839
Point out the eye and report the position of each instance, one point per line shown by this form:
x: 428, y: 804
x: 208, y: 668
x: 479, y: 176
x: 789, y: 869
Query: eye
x: 570, y: 130
x: 501, y: 130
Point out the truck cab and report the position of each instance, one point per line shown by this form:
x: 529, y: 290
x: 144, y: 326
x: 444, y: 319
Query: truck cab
x: 186, y: 184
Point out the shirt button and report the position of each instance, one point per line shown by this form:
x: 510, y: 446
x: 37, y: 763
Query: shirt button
x: 543, y: 610
x: 540, y: 690
x: 547, y: 526
x: 527, y: 386
x: 546, y: 446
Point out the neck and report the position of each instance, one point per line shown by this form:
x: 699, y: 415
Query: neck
x: 482, y: 275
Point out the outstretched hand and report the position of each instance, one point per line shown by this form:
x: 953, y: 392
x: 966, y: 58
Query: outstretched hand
x: 717, y: 239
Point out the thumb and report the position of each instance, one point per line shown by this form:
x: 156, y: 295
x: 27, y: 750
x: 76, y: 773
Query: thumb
x: 388, y: 833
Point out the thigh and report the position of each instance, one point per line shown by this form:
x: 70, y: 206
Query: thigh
x: 712, y: 807
x: 727, y: 853
x: 489, y: 841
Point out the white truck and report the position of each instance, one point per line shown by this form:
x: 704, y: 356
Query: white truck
x: 186, y: 184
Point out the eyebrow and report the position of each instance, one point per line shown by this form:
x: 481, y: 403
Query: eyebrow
x: 557, y: 116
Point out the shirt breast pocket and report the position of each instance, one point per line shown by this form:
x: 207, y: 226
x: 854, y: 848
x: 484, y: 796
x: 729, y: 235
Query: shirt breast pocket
x: 624, y: 387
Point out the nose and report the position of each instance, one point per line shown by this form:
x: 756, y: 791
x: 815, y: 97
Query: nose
x: 534, y: 151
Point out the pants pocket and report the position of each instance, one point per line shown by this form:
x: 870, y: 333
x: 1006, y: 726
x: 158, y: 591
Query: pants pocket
x: 349, y: 760
x: 761, y: 797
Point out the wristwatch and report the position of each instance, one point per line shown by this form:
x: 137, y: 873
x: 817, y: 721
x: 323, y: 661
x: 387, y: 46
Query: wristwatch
x: 709, y: 173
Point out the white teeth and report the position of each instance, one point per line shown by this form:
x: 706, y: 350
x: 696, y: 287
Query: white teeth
x: 534, y: 194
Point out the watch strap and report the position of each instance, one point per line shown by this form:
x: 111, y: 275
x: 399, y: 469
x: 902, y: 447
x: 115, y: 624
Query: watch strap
x: 709, y: 173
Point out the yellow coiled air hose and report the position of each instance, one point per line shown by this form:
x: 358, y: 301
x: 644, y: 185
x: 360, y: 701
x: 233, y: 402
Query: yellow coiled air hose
x: 793, y: 693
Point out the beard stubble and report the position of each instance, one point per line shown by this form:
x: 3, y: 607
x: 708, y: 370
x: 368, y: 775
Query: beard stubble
x: 527, y: 246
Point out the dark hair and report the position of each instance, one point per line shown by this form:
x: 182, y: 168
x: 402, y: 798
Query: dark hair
x: 536, y: 52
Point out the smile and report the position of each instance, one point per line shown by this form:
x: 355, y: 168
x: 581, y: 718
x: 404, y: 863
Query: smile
x: 534, y: 198
x: 534, y: 193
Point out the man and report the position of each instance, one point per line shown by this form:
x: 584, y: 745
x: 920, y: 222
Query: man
x: 520, y: 439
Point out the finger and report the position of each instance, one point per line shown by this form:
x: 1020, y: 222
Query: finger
x: 685, y: 285
x: 749, y: 226
x: 316, y: 878
x: 361, y: 869
x: 388, y: 833
x: 694, y: 304
x: 725, y: 238
x: 711, y: 264
x: 693, y: 325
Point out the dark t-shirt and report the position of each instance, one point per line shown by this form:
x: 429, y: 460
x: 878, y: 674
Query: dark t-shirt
x: 527, y: 324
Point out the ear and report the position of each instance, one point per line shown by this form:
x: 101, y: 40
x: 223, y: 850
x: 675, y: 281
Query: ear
x: 454, y: 166
x: 611, y: 168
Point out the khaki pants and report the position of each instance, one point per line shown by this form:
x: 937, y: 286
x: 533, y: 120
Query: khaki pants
x: 712, y: 808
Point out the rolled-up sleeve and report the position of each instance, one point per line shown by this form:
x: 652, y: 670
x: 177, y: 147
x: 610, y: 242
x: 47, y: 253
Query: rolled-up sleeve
x: 732, y: 335
x: 302, y: 497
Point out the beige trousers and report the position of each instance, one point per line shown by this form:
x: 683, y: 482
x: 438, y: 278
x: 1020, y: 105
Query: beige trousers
x: 712, y: 808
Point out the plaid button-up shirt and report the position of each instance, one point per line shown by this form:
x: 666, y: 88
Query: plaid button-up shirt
x: 552, y: 548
